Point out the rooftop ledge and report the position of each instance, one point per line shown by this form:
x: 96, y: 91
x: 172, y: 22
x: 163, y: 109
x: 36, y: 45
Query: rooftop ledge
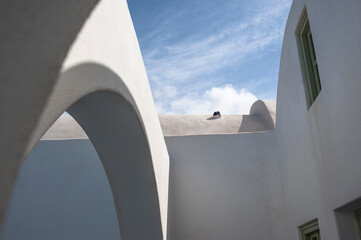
x: 262, y: 117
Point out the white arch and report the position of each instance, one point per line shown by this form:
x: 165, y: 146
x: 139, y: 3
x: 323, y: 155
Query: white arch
x: 104, y: 58
x: 113, y: 124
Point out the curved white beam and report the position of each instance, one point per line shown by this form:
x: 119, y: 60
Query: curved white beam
x: 108, y: 42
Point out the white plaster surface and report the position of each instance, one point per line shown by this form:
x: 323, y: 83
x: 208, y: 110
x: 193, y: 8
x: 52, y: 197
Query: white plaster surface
x: 223, y: 185
x: 212, y: 189
x: 62, y: 193
x: 35, y: 38
x: 103, y: 84
x: 319, y: 148
x: 311, y: 160
x: 262, y: 117
x: 65, y: 127
x: 218, y: 188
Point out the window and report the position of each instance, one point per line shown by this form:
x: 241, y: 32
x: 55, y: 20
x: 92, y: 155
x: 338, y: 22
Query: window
x: 348, y: 218
x: 358, y: 218
x: 310, y: 231
x: 309, y: 60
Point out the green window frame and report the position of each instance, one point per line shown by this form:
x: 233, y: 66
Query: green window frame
x: 358, y: 219
x: 309, y: 60
x: 310, y: 231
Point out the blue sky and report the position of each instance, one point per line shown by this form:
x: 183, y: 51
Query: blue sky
x: 208, y: 55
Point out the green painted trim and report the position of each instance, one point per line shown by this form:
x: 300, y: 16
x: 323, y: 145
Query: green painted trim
x: 310, y: 230
x: 309, y: 60
x: 358, y: 219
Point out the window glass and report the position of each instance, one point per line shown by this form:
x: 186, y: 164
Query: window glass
x: 309, y: 60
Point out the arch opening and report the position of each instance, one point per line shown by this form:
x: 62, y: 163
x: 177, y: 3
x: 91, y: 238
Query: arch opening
x: 115, y: 130
x: 118, y: 136
x: 62, y: 191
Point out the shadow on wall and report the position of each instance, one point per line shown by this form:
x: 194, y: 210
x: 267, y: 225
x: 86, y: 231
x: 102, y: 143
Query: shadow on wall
x: 348, y: 218
x: 118, y: 137
x: 213, y: 118
x: 262, y: 117
x: 62, y: 192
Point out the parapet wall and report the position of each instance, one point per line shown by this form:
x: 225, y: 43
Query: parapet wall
x: 262, y: 117
x: 218, y: 182
x: 267, y: 181
x: 219, y: 186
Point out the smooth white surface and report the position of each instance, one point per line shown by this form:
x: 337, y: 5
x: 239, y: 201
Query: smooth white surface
x: 101, y: 78
x: 35, y: 40
x: 218, y: 187
x: 262, y: 117
x: 224, y: 186
x: 311, y: 161
x: 65, y: 127
x: 62, y: 193
x: 320, y: 147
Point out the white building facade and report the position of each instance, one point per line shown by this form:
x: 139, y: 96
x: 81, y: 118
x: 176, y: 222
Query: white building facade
x: 288, y: 170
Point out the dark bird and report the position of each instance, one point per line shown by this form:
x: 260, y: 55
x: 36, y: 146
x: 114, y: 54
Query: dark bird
x: 217, y: 114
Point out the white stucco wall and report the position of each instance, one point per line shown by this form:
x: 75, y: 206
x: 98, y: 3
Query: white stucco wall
x: 84, y: 57
x: 74, y: 56
x: 62, y: 193
x: 262, y: 117
x: 317, y: 165
x: 108, y: 39
x: 218, y: 188
x: 320, y: 147
x: 249, y: 185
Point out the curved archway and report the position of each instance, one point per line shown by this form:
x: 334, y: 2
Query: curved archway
x: 119, y: 139
x: 43, y: 92
x: 62, y: 191
x: 112, y: 121
x: 74, y: 84
x: 117, y: 134
x: 23, y: 93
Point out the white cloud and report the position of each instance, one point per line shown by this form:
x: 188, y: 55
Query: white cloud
x: 165, y: 92
x: 226, y: 99
x: 187, y: 66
